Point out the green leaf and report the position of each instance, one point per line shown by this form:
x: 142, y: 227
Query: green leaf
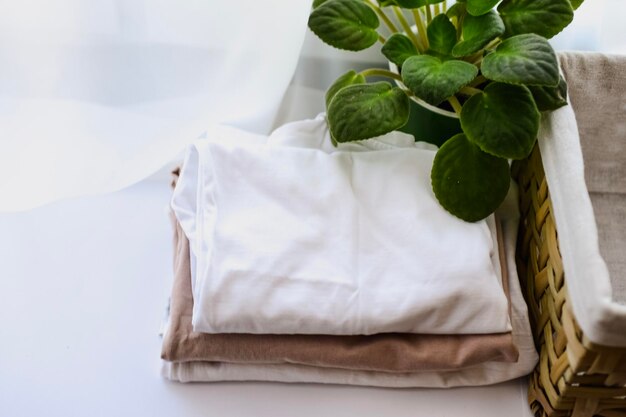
x: 409, y: 4
x: 469, y: 183
x: 478, y: 32
x: 523, y: 59
x: 345, y: 24
x: 364, y: 111
x: 349, y: 78
x: 457, y: 10
x: 480, y: 7
x: 398, y: 48
x: 318, y: 3
x: 503, y: 120
x: 434, y: 80
x: 543, y: 17
x: 441, y: 35
x: 550, y: 98
x: 576, y: 3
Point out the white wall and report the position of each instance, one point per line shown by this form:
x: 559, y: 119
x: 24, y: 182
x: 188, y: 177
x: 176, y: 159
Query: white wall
x: 598, y: 26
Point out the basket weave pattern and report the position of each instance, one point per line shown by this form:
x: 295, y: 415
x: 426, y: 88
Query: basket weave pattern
x: 574, y: 377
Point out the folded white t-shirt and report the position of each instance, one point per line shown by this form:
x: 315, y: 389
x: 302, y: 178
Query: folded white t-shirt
x: 295, y: 236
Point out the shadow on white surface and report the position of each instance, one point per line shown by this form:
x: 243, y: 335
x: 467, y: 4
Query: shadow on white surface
x: 82, y: 288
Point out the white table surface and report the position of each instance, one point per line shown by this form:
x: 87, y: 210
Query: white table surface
x: 83, y: 285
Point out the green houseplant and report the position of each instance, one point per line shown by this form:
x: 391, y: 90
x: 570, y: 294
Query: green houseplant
x: 488, y: 60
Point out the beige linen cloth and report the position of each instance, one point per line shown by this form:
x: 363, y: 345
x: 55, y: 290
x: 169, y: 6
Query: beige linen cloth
x: 383, y: 352
x: 597, y: 93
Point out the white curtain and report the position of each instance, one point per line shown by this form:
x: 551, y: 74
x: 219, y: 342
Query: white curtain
x: 96, y: 95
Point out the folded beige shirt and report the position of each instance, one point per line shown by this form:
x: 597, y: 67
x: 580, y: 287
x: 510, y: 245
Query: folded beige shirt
x: 395, y: 353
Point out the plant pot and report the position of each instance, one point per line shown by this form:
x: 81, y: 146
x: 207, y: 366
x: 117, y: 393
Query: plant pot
x: 428, y: 123
x: 431, y: 124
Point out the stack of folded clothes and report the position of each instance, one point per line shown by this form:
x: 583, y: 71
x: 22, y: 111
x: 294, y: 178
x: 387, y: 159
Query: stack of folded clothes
x: 298, y: 261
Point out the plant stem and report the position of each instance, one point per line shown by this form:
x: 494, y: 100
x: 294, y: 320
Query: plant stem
x: 380, y: 12
x: 407, y: 29
x: 421, y: 28
x: 378, y: 72
x: 429, y: 14
x: 437, y: 9
x: 470, y: 91
x: 473, y: 58
x: 444, y: 6
x: 478, y: 81
x: 493, y: 43
x: 381, y: 39
x: 456, y: 105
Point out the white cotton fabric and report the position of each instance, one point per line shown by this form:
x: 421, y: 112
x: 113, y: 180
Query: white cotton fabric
x: 311, y: 240
x: 601, y: 318
x: 483, y: 374
x: 185, y: 202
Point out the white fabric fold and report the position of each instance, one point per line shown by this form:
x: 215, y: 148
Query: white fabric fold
x: 483, y: 374
x: 295, y: 236
x: 222, y: 372
x: 601, y: 318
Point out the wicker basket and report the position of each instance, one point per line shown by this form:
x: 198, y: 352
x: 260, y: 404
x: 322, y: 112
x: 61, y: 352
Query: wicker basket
x: 574, y: 377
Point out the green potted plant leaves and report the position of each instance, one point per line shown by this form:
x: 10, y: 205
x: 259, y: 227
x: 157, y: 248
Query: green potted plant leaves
x: 487, y: 60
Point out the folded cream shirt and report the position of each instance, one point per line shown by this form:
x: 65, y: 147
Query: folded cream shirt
x: 294, y: 236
